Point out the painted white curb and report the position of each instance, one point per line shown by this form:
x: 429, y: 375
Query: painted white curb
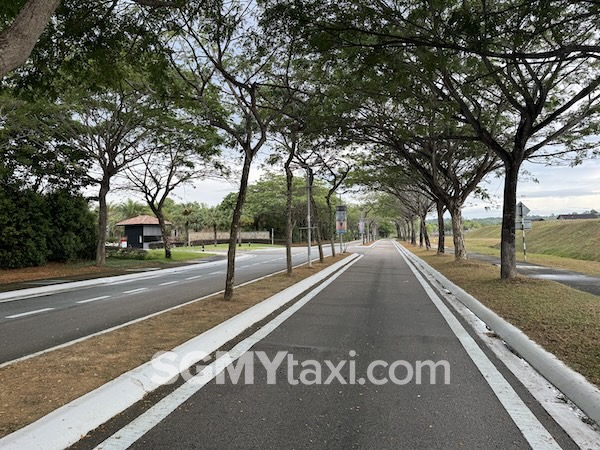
x: 68, y: 424
x: 571, y: 383
x: 52, y: 289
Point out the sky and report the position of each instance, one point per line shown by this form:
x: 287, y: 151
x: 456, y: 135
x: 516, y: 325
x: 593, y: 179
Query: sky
x: 560, y: 190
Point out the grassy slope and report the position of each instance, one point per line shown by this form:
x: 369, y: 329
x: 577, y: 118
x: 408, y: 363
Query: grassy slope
x: 575, y: 239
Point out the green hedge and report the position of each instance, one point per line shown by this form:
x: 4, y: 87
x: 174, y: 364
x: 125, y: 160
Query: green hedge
x: 36, y: 228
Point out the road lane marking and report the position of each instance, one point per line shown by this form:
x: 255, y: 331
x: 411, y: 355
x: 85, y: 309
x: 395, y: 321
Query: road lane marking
x: 168, y: 283
x: 93, y: 299
x: 139, y: 319
x: 135, y: 291
x: 534, y: 432
x: 215, y: 273
x: 194, y: 277
x: 37, y: 311
x: 129, y: 434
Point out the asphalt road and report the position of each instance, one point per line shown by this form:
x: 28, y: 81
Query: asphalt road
x: 34, y: 324
x: 375, y: 311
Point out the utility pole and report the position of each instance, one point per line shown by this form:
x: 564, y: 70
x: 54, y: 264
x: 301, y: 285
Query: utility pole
x: 308, y: 225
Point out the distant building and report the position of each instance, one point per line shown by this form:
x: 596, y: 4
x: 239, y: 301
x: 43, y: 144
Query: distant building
x: 141, y: 231
x: 577, y: 216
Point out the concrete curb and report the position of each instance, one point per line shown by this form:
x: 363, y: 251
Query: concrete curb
x: 571, y: 383
x: 52, y: 289
x: 68, y: 424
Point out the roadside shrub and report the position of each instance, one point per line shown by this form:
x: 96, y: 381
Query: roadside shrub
x: 126, y: 253
x: 36, y: 228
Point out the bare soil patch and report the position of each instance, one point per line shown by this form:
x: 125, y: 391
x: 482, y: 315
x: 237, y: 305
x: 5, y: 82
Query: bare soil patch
x: 33, y: 388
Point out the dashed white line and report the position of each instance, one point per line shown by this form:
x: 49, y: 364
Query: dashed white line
x: 215, y: 273
x: 135, y: 291
x: 194, y: 277
x: 29, y: 313
x: 168, y: 283
x: 93, y: 299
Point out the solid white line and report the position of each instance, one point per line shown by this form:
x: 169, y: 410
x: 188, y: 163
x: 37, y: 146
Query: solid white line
x: 169, y: 282
x: 93, y: 299
x: 534, y: 432
x: 37, y: 311
x: 135, y: 291
x: 128, y: 435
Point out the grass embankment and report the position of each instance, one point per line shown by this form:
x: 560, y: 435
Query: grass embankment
x: 564, y: 321
x: 568, y: 244
x: 73, y: 371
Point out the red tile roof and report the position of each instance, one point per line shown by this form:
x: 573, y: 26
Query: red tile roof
x: 141, y: 220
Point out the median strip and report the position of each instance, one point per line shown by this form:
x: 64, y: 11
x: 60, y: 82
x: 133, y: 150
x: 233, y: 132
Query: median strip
x: 82, y: 367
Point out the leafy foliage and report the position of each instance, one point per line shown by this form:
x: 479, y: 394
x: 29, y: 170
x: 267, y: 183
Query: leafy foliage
x: 36, y: 228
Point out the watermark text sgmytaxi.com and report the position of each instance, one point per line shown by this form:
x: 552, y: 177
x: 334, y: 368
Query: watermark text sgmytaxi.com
x: 283, y: 367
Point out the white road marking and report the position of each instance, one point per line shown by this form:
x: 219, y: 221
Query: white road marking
x: 93, y: 299
x: 37, y: 311
x: 215, y: 273
x: 135, y: 291
x: 128, y: 435
x: 534, y: 432
x: 194, y: 277
x: 168, y: 283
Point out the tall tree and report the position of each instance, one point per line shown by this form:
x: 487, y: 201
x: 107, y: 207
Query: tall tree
x: 180, y: 151
x: 217, y: 53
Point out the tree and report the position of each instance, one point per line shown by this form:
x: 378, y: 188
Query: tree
x: 217, y: 53
x: 181, y: 151
x: 27, y: 20
x: 111, y: 130
x: 523, y: 75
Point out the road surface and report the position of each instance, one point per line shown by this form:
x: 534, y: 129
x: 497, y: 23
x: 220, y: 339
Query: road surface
x: 375, y: 317
x: 34, y: 324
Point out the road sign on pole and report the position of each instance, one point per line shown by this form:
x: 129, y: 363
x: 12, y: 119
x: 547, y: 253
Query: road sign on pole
x: 522, y: 223
x: 522, y: 210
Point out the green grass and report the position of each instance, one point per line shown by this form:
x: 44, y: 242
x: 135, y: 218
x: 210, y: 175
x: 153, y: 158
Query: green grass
x: 575, y: 239
x: 568, y: 244
x: 155, y: 257
x: 563, y: 320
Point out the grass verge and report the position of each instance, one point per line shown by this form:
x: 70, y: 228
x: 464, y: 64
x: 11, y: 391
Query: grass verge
x: 35, y: 387
x: 114, y: 266
x: 564, y: 321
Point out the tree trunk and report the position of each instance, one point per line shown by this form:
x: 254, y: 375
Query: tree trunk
x: 441, y: 249
x: 235, y: 226
x: 421, y: 234
x: 458, y: 233
x: 215, y: 233
x: 102, y: 223
x: 187, y: 233
x: 17, y: 41
x: 163, y: 231
x: 413, y: 235
x: 508, y: 260
x: 425, y: 233
x: 317, y: 226
x: 289, y: 226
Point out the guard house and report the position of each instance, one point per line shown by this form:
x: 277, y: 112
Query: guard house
x: 141, y: 231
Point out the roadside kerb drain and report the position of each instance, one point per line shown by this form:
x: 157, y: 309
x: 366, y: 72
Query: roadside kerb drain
x: 69, y: 423
x: 571, y: 383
